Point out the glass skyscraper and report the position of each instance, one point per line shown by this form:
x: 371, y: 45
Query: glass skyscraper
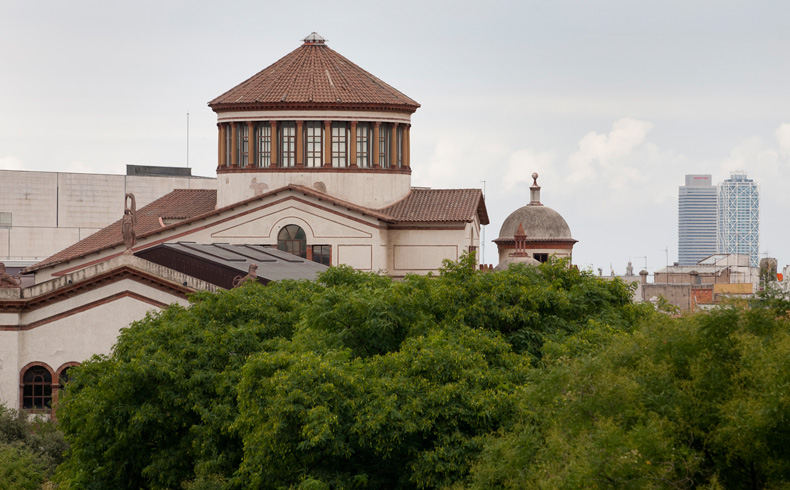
x: 738, y: 230
x: 696, y: 219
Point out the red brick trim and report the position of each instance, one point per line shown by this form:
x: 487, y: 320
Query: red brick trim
x: 60, y: 371
x: 534, y: 244
x: 85, y: 307
x: 357, y: 170
x: 431, y: 227
x: 109, y: 277
x: 307, y: 106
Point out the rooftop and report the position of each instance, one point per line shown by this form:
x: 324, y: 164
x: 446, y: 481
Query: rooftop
x: 309, y: 76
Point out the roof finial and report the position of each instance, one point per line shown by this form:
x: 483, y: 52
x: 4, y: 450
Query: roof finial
x: 534, y: 191
x: 314, y: 38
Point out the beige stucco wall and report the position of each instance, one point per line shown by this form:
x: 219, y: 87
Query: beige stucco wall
x: 65, y: 337
x: 373, y: 190
x: 419, y: 251
x: 52, y: 210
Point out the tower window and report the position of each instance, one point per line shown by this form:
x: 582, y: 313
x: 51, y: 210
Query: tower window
x: 384, y: 145
x: 363, y: 144
x: 287, y: 144
x: 313, y: 144
x: 243, y: 136
x: 264, y: 146
x: 340, y: 144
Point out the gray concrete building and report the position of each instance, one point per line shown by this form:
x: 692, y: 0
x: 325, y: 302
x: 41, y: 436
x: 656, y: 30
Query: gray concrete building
x: 696, y: 219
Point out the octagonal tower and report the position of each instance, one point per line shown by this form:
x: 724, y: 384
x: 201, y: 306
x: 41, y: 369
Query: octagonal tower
x: 315, y: 119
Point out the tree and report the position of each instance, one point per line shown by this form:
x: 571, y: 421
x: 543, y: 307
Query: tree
x: 30, y: 449
x: 354, y: 380
x: 158, y: 410
x: 697, y: 402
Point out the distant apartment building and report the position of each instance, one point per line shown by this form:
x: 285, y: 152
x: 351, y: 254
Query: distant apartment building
x: 738, y: 228
x: 697, y: 202
x: 721, y: 219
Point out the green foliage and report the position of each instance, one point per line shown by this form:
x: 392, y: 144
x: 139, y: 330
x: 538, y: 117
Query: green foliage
x: 30, y: 449
x: 158, y: 411
x: 354, y: 381
x: 700, y: 401
x: 408, y: 419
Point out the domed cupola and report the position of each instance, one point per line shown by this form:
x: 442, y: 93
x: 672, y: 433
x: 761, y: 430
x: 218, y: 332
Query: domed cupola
x: 315, y: 119
x: 533, y: 233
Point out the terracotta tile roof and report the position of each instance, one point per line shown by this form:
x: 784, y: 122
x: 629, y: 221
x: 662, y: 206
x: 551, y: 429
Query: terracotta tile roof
x: 188, y: 205
x: 423, y: 205
x: 179, y: 204
x: 313, y: 74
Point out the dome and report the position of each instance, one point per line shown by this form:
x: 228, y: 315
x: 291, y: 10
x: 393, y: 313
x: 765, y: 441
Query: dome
x: 538, y: 222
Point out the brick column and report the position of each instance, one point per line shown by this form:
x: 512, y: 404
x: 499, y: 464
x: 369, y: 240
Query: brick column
x: 407, y: 146
x: 394, y: 146
x: 299, y: 144
x: 234, y: 144
x: 221, y: 146
x: 327, y: 143
x: 251, y: 143
x: 353, y: 153
x: 375, y: 159
x: 274, y: 143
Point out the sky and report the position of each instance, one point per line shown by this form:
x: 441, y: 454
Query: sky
x: 611, y: 102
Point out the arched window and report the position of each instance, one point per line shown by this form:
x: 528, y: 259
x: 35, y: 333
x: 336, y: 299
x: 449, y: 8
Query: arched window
x: 64, y: 377
x: 37, y: 388
x: 292, y: 239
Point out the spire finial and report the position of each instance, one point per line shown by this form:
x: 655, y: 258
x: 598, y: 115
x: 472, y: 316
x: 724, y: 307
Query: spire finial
x: 314, y: 38
x: 534, y: 191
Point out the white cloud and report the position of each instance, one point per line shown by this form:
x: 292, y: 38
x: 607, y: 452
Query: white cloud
x: 522, y: 163
x: 782, y: 134
x: 608, y: 153
x: 11, y: 162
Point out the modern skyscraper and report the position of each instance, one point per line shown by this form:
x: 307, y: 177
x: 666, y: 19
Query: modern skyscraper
x: 696, y: 219
x: 738, y: 229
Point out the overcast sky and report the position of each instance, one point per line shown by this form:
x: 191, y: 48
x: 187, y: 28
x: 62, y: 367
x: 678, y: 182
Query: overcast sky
x: 611, y: 102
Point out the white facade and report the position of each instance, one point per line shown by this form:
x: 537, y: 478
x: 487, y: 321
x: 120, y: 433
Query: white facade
x: 738, y: 230
x: 66, y: 320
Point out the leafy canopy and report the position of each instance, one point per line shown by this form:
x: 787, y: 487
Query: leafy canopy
x: 354, y: 381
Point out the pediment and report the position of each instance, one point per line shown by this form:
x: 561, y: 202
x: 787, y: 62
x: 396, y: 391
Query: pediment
x: 321, y: 223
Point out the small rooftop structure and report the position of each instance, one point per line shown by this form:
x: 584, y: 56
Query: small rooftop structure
x: 545, y: 231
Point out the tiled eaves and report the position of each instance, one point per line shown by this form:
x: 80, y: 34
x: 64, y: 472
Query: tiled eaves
x: 440, y: 205
x: 313, y: 74
x: 180, y: 202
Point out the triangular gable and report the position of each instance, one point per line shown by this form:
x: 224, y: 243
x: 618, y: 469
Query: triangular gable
x: 181, y: 230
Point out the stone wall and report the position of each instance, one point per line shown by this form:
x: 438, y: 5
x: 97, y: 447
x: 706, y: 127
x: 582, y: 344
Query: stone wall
x: 51, y: 210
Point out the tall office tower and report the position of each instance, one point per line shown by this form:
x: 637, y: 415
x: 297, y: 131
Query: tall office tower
x: 696, y: 219
x: 738, y: 229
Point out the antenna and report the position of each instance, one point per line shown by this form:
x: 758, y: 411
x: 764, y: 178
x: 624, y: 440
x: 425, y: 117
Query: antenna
x: 481, y: 259
x: 187, y: 140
